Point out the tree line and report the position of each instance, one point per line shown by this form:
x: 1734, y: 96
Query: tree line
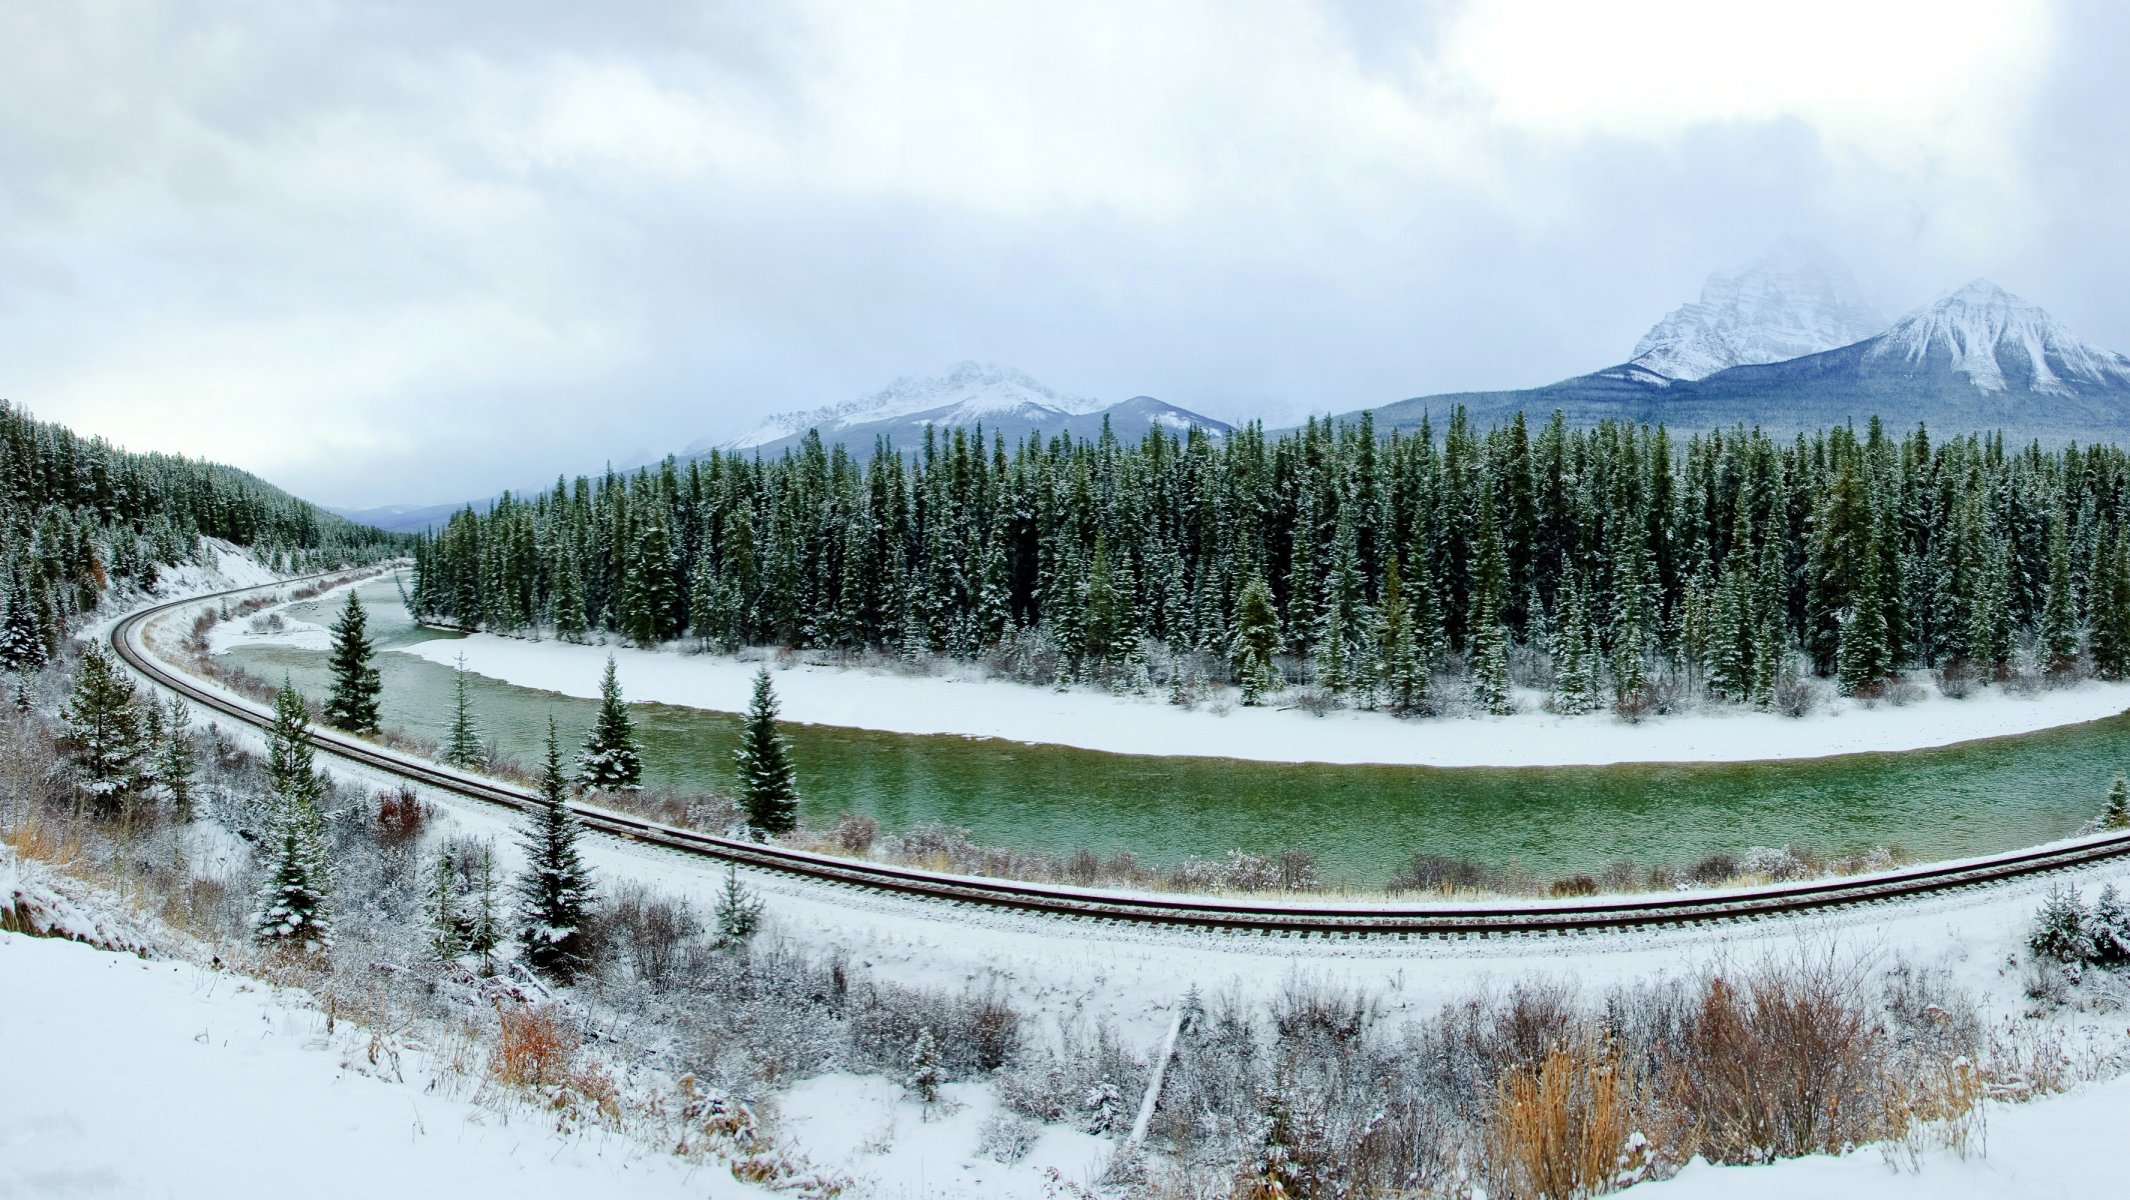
x: 78, y: 515
x: 1613, y: 565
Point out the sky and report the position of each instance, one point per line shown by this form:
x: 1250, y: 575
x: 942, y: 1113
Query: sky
x: 388, y: 252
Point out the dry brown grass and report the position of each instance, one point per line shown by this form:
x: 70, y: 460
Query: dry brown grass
x: 1560, y: 1125
x: 533, y: 1048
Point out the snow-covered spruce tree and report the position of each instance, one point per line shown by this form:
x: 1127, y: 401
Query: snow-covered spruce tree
x: 568, y: 598
x: 611, y: 760
x: 739, y: 911
x: 1489, y: 639
x: 2059, y: 611
x: 177, y: 765
x: 555, y: 892
x: 2117, y: 814
x: 293, y: 904
x: 103, y: 736
x: 2108, y: 929
x: 1862, y: 653
x: 447, y: 925
x: 1575, y: 666
x: 925, y: 1073
x: 1404, y: 668
x: 768, y: 788
x: 291, y: 768
x: 22, y: 639
x: 2060, y: 933
x: 462, y: 742
x: 1256, y: 641
x: 484, y: 925
x: 353, y: 703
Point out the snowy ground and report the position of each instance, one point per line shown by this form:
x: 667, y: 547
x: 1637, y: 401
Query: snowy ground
x: 974, y: 707
x: 2066, y: 1146
x: 123, y: 1077
x: 1070, y: 972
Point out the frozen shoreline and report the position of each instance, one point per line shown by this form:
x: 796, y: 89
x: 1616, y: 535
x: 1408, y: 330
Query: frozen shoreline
x: 967, y: 706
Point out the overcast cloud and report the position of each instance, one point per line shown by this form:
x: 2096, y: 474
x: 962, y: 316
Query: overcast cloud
x: 381, y: 252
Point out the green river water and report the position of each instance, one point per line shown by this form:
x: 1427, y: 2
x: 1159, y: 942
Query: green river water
x: 1362, y: 822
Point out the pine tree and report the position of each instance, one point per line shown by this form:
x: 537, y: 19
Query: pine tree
x: 1575, y: 682
x: 2059, y: 615
x: 353, y: 703
x: 555, y: 892
x: 290, y: 760
x: 103, y: 736
x: 178, y: 764
x: 1404, y: 671
x: 1256, y: 641
x: 462, y: 743
x: 484, y: 927
x: 739, y: 911
x: 2108, y: 929
x: 925, y: 1073
x: 1862, y: 648
x: 1989, y: 627
x: 2117, y: 814
x: 447, y: 925
x: 2060, y: 930
x: 611, y: 759
x: 293, y: 905
x: 571, y: 621
x: 22, y: 640
x: 768, y: 788
x: 1489, y: 643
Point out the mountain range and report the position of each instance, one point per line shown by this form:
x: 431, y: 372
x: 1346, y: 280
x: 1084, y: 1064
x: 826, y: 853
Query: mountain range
x: 968, y: 394
x: 1976, y: 359
x: 1788, y: 343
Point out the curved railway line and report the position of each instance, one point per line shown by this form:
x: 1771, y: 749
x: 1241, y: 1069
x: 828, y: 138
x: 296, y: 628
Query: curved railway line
x: 1328, y: 919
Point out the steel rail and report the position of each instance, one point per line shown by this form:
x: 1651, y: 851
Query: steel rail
x: 1210, y: 913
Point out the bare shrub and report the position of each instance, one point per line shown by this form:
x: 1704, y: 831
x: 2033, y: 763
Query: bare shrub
x: 1437, y: 873
x: 1955, y: 678
x: 854, y: 834
x: 1776, y: 1064
x: 1297, y: 870
x: 401, y: 816
x: 1315, y: 701
x: 648, y: 932
x: 1901, y: 691
x: 1574, y: 885
x: 1713, y: 870
x: 1796, y: 696
x: 533, y: 1047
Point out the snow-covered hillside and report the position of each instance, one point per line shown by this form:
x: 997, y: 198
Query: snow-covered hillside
x: 1798, y: 299
x: 2000, y: 343
x: 126, y: 1077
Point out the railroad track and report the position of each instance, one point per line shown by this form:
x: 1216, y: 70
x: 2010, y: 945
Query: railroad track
x: 1294, y: 919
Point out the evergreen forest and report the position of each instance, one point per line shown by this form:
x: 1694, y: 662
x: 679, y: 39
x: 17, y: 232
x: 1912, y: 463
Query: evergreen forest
x: 1614, y: 566
x: 79, y: 514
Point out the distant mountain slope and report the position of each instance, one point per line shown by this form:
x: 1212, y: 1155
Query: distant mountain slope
x: 1001, y: 400
x: 1797, y: 300
x: 1978, y: 358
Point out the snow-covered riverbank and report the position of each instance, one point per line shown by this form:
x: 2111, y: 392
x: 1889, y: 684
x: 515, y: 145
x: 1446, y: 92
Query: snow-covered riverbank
x: 975, y: 707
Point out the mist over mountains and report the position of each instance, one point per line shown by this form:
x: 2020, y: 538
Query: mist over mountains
x: 1977, y: 358
x: 1788, y: 343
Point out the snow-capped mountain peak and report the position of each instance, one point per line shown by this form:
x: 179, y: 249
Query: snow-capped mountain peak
x: 1796, y: 300
x: 970, y: 392
x: 1999, y: 341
